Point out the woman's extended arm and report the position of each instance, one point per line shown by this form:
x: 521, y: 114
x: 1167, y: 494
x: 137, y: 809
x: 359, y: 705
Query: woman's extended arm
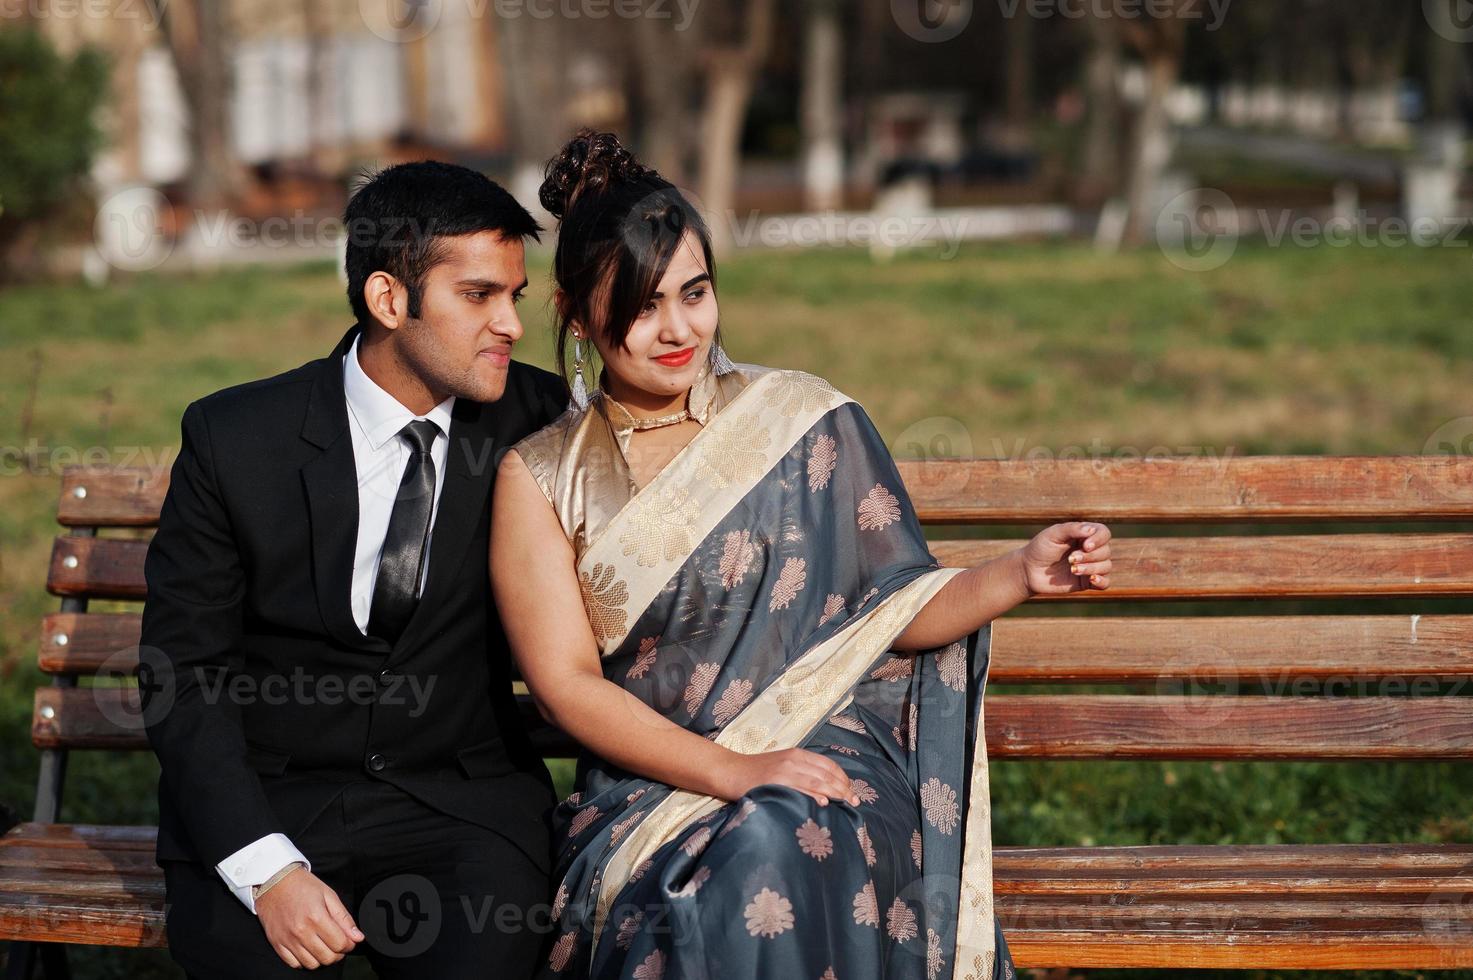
x: 1050, y: 563
x: 535, y: 584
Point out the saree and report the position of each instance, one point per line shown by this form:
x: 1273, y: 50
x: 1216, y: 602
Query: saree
x: 750, y: 593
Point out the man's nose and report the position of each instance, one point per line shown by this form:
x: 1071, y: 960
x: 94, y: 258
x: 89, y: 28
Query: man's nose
x: 508, y: 325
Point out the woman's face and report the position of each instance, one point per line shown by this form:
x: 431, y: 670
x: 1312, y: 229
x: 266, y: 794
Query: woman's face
x: 680, y: 320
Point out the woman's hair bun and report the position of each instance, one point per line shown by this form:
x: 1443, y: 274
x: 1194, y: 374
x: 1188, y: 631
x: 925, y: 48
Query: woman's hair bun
x: 587, y: 166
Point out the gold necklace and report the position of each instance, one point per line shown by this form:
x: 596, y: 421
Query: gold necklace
x: 654, y: 421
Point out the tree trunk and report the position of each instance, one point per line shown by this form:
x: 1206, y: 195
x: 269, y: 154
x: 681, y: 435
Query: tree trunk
x: 319, y: 142
x: 1018, y: 82
x: 1160, y: 44
x: 823, y: 109
x: 1099, y: 175
x: 730, y: 74
x: 536, y: 106
x: 1151, y: 149
x: 198, y: 33
x: 663, y: 79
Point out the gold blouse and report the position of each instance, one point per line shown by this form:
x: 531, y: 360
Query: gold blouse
x: 580, y: 459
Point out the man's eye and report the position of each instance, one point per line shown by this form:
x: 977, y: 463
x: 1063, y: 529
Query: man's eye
x: 476, y: 297
x: 517, y: 297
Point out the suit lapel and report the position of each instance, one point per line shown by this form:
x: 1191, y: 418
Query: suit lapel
x: 331, y: 484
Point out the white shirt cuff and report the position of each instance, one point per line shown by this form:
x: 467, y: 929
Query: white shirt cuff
x: 256, y: 862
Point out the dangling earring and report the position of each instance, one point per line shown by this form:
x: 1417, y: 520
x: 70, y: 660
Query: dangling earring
x: 720, y: 363
x: 580, y: 388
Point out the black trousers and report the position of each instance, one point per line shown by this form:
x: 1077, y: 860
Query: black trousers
x: 434, y: 896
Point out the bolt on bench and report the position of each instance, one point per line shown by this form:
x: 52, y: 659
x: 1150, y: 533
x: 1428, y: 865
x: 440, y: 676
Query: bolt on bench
x: 1324, y: 906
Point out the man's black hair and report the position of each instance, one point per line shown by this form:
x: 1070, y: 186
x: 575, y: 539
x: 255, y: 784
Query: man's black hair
x: 397, y: 220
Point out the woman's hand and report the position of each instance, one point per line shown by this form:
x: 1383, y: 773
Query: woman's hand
x: 817, y: 775
x: 1068, y: 557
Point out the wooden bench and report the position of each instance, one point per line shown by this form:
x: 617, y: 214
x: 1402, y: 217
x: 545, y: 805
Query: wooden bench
x: 1285, y: 906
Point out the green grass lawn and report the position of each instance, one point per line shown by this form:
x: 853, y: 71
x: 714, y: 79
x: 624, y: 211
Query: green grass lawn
x: 1030, y: 348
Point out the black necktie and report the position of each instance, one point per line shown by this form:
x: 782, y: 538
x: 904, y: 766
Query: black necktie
x: 401, y: 565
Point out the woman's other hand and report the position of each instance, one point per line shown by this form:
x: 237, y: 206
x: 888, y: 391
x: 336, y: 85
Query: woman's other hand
x: 817, y: 775
x: 1068, y: 557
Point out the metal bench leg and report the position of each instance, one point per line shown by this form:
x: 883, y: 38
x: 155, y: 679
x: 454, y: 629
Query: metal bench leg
x: 20, y: 961
x: 53, y: 962
x: 21, y: 964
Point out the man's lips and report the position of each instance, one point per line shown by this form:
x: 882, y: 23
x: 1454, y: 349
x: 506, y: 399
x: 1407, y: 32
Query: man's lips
x: 677, y: 358
x: 502, y: 357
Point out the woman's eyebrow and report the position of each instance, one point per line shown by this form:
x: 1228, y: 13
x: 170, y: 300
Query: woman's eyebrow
x: 685, y: 285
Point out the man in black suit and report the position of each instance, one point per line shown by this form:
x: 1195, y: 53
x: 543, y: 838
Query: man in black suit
x: 326, y: 682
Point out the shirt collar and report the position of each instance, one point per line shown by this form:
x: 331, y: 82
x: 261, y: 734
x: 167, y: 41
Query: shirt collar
x: 379, y: 414
x: 701, y: 398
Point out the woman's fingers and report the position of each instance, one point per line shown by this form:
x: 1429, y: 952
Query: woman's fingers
x: 1098, y: 539
x: 831, y: 779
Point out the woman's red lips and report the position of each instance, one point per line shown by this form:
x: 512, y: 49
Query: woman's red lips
x: 678, y: 358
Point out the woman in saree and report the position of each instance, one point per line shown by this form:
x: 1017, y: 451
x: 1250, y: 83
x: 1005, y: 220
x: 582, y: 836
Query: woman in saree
x: 712, y: 578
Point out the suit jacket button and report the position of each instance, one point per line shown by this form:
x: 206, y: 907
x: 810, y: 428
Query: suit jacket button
x: 385, y: 676
x: 377, y: 762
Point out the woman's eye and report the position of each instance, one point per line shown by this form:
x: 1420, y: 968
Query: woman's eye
x: 648, y: 309
x: 695, y: 295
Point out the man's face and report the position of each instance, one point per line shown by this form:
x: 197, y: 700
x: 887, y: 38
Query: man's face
x: 461, y: 343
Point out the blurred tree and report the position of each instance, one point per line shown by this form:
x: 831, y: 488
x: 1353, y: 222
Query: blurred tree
x: 730, y: 71
x: 1018, y: 75
x: 1099, y: 165
x: 48, y: 137
x: 535, y: 86
x: 1159, y: 41
x: 664, y: 78
x: 823, y: 107
x: 1370, y: 39
x: 199, y: 36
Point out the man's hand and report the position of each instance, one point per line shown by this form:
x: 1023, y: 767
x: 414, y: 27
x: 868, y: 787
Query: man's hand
x: 1068, y: 557
x: 305, y: 921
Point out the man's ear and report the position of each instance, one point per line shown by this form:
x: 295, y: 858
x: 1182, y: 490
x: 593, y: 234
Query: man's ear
x: 387, y: 299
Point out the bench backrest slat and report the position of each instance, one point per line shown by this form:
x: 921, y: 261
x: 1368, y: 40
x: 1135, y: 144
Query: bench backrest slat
x: 1223, y: 567
x: 1275, y: 651
x: 983, y: 491
x: 1046, y: 726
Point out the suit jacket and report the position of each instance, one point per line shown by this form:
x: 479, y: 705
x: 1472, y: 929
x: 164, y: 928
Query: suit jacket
x: 261, y: 696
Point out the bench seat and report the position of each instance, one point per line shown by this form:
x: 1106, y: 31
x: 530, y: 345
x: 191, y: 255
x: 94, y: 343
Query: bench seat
x: 1287, y: 906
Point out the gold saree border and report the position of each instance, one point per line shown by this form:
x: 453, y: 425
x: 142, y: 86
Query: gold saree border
x: 976, y: 939
x: 663, y: 523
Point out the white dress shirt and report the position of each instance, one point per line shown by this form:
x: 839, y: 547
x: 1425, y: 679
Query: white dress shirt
x: 375, y: 419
